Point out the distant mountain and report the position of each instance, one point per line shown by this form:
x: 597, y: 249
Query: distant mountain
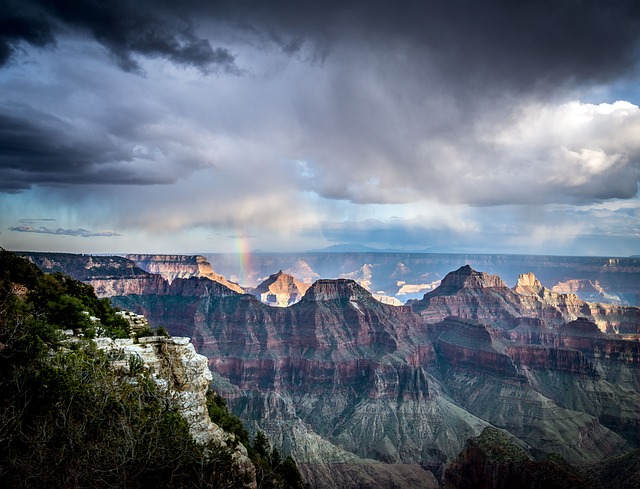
x: 280, y: 289
x: 407, y: 276
x: 353, y: 248
x: 469, y: 294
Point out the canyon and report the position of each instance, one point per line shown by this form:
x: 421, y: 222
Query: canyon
x: 367, y: 394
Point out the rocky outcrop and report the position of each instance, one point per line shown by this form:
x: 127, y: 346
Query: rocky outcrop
x: 280, y: 289
x: 171, y: 267
x: 469, y: 294
x: 183, y: 377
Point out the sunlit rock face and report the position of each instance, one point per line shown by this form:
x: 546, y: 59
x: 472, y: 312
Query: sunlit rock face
x: 280, y: 289
x: 171, y: 267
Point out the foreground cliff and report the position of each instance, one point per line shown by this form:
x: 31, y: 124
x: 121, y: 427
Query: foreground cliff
x: 182, y: 376
x: 72, y: 417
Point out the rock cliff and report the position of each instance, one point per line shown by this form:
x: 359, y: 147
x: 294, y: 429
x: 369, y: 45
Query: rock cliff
x: 171, y: 267
x: 184, y: 377
x: 109, y: 275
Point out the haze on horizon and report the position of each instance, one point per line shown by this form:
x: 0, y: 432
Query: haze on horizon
x: 157, y: 127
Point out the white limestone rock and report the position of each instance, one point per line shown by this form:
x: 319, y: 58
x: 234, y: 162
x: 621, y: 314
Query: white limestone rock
x: 184, y: 377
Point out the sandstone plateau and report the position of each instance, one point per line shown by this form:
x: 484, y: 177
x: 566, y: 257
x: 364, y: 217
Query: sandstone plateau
x: 365, y: 394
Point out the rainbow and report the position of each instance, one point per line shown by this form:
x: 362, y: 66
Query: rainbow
x: 244, y: 259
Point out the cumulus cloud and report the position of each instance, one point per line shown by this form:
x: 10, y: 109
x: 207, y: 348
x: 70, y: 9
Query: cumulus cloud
x: 533, y: 153
x: 83, y: 233
x: 571, y: 152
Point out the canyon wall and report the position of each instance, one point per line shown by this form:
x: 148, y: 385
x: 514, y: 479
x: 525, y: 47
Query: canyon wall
x: 361, y: 392
x: 171, y: 267
x: 340, y: 379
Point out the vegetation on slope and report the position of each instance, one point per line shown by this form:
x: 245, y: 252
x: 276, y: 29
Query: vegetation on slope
x: 271, y: 470
x: 68, y: 419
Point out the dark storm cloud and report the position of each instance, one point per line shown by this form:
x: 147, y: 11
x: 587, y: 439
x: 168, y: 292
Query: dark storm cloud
x: 40, y: 148
x: 21, y: 23
x: 80, y: 232
x: 502, y: 42
x: 127, y: 29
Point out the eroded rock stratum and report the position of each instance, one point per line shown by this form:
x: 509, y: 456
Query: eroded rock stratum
x: 365, y: 394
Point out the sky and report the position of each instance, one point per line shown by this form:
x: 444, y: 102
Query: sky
x: 206, y: 126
